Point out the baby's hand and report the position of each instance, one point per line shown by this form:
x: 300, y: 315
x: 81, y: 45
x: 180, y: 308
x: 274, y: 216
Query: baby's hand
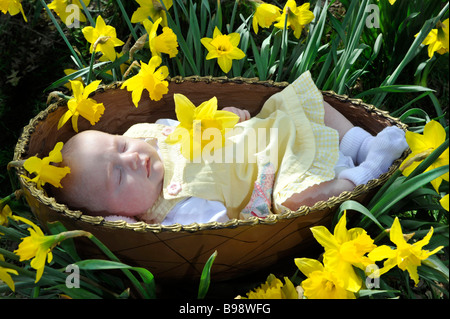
x: 244, y: 115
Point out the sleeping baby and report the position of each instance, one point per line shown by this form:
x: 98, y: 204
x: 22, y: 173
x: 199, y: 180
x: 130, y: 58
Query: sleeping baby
x: 310, y: 153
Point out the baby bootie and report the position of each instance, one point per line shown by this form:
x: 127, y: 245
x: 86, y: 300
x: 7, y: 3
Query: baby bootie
x: 344, y: 162
x: 382, y: 151
x: 355, y: 144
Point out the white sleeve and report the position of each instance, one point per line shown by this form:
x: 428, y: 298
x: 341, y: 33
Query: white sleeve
x: 196, y: 210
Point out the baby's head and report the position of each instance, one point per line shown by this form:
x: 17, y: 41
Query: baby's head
x: 110, y: 174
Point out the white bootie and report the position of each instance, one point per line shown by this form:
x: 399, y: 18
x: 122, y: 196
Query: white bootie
x: 355, y: 144
x: 382, y: 150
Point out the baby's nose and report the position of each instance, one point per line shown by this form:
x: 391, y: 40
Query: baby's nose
x: 132, y: 159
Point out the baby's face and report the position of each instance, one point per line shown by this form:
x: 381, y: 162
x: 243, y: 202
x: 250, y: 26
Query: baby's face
x: 119, y: 175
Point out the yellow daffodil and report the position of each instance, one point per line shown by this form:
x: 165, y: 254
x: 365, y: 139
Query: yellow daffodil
x: 13, y: 7
x: 224, y: 48
x: 390, y: 1
x: 273, y: 288
x: 70, y: 71
x: 297, y: 17
x: 265, y: 15
x: 153, y: 9
x: 38, y: 246
x: 5, y: 275
x: 5, y: 213
x: 151, y: 78
x: 424, y: 144
x: 437, y: 39
x: 163, y: 43
x: 406, y: 256
x: 195, y: 120
x: 444, y: 202
x: 66, y: 16
x: 345, y: 249
x: 82, y: 105
x: 44, y: 170
x: 108, y: 36
x: 322, y: 282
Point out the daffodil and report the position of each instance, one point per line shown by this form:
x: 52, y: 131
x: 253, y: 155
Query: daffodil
x: 103, y: 37
x: 153, y: 9
x: 274, y: 288
x: 13, y: 7
x: 390, y: 1
x: 70, y: 71
x: 38, y: 246
x: 151, y: 78
x: 66, y: 16
x: 345, y: 249
x: 265, y: 15
x: 444, y: 202
x: 322, y: 282
x: 82, y: 105
x: 437, y: 39
x: 163, y: 43
x: 44, y: 170
x: 297, y: 17
x: 406, y: 256
x: 193, y: 123
x: 5, y: 213
x: 5, y: 275
x: 224, y: 48
x: 424, y: 144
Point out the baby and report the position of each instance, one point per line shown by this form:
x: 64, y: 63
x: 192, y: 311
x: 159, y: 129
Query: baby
x: 135, y: 177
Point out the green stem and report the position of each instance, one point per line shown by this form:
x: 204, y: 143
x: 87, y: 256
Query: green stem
x: 128, y: 273
x: 127, y: 20
x: 381, y: 236
x: 88, y: 14
x: 283, y: 48
x: 52, y: 17
x: 91, y: 66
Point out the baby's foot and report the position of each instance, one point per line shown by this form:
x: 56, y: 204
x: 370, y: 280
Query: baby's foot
x: 382, y: 151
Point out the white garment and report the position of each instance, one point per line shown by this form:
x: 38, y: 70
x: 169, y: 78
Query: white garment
x: 196, y: 210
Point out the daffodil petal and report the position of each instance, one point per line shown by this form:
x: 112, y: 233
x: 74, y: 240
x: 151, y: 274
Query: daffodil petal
x: 184, y: 110
x: 324, y: 237
x: 308, y: 265
x: 434, y: 133
x: 396, y: 234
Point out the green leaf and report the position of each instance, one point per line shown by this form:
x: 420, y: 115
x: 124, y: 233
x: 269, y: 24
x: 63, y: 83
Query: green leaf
x: 395, y: 89
x: 77, y: 293
x: 100, y: 264
x: 74, y: 75
x: 394, y: 195
x: 206, y: 276
x: 353, y: 205
x: 68, y: 245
